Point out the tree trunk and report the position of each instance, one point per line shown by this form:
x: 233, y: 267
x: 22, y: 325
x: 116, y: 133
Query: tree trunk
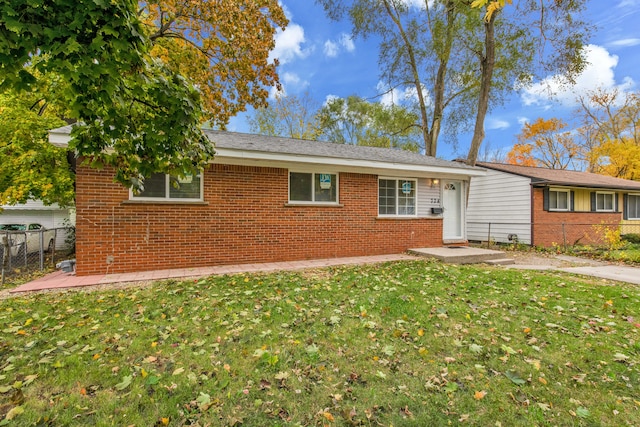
x: 438, y: 106
x: 413, y: 63
x: 487, y: 64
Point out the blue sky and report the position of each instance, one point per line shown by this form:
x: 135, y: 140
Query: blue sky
x: 319, y: 56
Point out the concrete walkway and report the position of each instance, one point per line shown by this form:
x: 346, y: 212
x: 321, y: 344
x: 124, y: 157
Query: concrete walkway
x: 60, y: 280
x: 585, y: 267
x: 575, y: 265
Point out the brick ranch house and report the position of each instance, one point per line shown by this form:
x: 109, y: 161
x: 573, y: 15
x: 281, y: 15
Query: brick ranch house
x: 546, y: 207
x: 269, y: 199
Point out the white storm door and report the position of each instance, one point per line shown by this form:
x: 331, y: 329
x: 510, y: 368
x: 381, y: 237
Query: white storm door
x: 452, y: 204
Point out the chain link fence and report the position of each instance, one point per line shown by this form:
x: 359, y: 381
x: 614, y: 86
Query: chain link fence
x: 23, y: 251
x: 547, y: 234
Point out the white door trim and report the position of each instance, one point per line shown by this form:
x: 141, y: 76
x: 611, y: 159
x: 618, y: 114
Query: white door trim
x: 453, y: 227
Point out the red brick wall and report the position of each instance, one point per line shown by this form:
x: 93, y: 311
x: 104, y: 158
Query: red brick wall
x: 579, y: 227
x: 245, y: 220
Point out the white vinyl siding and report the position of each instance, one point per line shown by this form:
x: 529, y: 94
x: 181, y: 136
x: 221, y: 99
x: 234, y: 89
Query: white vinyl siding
x: 504, y: 200
x: 428, y: 197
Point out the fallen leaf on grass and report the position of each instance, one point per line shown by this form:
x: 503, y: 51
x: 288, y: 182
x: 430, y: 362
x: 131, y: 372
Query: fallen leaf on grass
x: 582, y: 412
x: 14, y: 412
x: 126, y: 382
x: 508, y: 349
x: 479, y: 395
x: 514, y: 378
x: 475, y: 348
x: 619, y: 357
x: 544, y: 406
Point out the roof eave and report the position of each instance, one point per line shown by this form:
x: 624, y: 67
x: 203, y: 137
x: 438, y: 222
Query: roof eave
x: 61, y: 137
x: 583, y: 185
x: 226, y: 153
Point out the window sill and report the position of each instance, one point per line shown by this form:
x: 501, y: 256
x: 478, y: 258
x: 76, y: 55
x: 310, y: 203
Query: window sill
x: 399, y: 217
x: 166, y: 202
x: 314, y: 205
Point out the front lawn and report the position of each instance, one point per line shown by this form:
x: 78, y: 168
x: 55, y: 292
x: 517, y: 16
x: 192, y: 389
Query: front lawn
x: 409, y: 343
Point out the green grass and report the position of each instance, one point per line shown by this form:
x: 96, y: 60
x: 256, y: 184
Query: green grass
x: 630, y: 256
x: 628, y: 253
x: 411, y: 343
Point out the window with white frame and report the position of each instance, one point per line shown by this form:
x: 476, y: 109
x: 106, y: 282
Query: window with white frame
x: 163, y: 187
x: 559, y: 200
x: 633, y: 206
x: 313, y: 187
x: 397, y: 197
x: 605, y: 202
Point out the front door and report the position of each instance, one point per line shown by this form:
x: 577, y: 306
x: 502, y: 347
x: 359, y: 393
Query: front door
x: 452, y: 204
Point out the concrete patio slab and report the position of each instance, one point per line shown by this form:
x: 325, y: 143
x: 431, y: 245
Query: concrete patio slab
x: 459, y: 254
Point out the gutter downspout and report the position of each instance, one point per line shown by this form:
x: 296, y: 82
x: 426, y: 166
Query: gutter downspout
x: 532, y: 215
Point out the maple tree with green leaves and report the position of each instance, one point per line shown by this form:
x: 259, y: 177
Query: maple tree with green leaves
x: 30, y: 167
x: 123, y: 67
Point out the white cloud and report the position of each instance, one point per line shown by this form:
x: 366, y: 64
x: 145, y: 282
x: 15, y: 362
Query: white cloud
x: 343, y: 42
x: 420, y: 4
x: 523, y: 121
x: 290, y: 78
x: 291, y: 83
x: 347, y: 42
x: 492, y: 124
x: 625, y: 42
x: 289, y: 44
x: 599, y: 73
x: 331, y: 49
x: 629, y: 3
x: 398, y: 96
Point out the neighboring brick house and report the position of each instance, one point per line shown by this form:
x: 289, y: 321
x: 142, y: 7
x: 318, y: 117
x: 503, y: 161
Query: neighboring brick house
x: 267, y: 199
x: 543, y: 207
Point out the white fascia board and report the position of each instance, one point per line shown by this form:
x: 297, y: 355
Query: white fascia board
x: 259, y: 158
x: 59, y: 139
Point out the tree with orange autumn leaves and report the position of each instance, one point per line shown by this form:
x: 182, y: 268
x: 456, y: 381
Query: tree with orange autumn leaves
x: 221, y: 46
x: 545, y: 143
x: 606, y: 141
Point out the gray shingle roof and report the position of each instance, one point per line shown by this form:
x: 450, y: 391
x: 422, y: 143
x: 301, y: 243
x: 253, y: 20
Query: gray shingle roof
x: 300, y: 147
x: 564, y: 177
